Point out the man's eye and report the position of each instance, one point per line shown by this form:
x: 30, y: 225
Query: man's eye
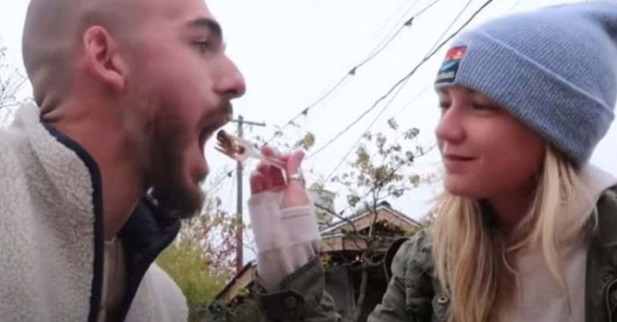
x: 444, y: 106
x: 202, y: 46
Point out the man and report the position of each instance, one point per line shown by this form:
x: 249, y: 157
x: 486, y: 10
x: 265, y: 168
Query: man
x: 96, y: 174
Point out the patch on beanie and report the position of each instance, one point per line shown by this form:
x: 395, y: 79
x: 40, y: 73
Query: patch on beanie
x: 449, y: 67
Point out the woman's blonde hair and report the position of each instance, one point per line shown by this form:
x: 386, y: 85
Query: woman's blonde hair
x: 470, y: 254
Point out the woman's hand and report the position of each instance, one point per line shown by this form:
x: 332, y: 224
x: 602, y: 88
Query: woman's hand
x: 271, y: 178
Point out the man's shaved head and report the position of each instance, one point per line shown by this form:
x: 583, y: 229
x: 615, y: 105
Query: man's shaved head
x: 53, y: 32
x: 150, y: 74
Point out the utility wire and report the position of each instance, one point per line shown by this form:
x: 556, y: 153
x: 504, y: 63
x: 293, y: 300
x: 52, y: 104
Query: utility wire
x: 376, y: 51
x: 407, y: 23
x: 460, y: 13
x: 396, y: 24
x: 383, y: 109
x: 223, y: 176
x: 415, y: 98
x: 350, y: 73
x: 397, y: 93
x: 400, y: 82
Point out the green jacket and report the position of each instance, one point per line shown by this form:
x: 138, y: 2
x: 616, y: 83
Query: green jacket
x: 415, y: 295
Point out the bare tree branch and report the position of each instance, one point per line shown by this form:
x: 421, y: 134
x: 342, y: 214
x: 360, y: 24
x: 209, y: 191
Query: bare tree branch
x: 11, y: 81
x: 356, y: 234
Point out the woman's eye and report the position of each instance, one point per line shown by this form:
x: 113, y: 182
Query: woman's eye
x: 484, y: 107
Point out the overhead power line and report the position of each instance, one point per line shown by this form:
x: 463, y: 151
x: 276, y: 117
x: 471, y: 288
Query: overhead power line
x: 407, y: 23
x: 460, y: 13
x: 333, y: 171
x: 351, y: 72
x: 338, y: 165
x: 400, y: 81
x: 402, y: 18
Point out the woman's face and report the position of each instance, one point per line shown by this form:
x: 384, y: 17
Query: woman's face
x: 486, y: 151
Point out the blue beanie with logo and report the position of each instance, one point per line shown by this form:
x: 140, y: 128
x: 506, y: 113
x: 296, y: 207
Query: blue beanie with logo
x: 554, y: 69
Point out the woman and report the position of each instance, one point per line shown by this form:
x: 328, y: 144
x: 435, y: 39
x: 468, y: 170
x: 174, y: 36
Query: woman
x: 526, y: 230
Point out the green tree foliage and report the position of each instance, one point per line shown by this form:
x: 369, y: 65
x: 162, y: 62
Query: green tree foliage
x: 186, y: 263
x: 201, y: 261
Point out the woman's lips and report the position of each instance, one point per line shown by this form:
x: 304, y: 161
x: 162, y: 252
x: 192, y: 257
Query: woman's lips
x: 457, y: 163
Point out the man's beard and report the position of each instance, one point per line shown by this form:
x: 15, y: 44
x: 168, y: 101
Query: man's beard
x: 166, y: 175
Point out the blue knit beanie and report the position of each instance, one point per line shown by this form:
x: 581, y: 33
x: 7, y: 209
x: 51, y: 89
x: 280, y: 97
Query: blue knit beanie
x: 555, y: 69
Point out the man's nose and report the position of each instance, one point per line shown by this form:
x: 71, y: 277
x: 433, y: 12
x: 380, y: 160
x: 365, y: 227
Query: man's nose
x: 232, y: 84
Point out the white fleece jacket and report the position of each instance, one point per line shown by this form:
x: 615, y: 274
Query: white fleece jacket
x: 47, y: 241
x: 286, y: 239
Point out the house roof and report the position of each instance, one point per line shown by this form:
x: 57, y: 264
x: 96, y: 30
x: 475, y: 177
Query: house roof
x: 384, y: 211
x: 333, y: 240
x: 240, y: 281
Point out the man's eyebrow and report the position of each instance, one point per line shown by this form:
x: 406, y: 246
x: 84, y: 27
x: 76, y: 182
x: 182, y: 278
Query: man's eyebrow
x: 207, y: 23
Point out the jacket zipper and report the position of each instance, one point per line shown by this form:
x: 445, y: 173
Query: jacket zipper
x: 607, y: 291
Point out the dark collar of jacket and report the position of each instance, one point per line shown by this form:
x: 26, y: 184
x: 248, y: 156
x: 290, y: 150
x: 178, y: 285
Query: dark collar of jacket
x: 145, y: 235
x: 601, y: 275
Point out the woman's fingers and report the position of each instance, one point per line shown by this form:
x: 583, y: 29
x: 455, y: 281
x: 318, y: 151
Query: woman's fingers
x: 275, y: 174
x: 268, y: 151
x: 257, y: 182
x: 294, y: 162
x: 266, y: 176
x: 272, y: 178
x: 278, y: 179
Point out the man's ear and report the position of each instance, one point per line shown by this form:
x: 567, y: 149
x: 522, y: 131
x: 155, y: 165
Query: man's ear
x: 103, y: 59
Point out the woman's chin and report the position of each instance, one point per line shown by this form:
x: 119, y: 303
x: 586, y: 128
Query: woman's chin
x: 462, y: 187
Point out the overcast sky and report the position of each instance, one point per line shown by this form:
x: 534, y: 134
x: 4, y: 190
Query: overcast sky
x: 293, y: 51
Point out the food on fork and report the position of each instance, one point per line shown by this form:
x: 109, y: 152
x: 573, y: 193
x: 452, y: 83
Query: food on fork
x: 228, y: 146
x: 241, y: 149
